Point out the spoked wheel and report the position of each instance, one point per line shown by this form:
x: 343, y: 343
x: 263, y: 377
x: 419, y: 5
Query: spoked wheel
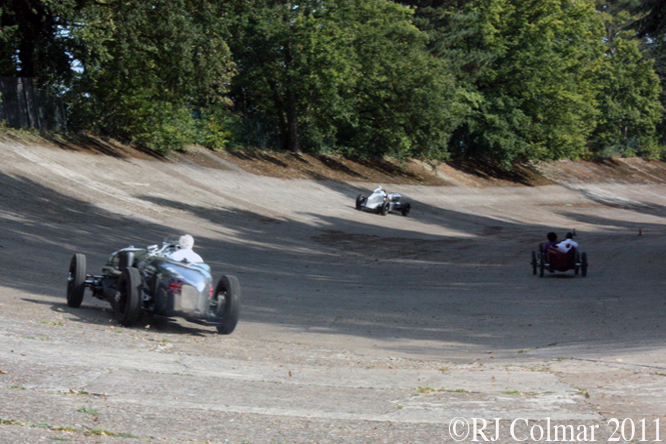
x: 406, y: 209
x: 583, y: 265
x: 534, y: 262
x: 384, y: 209
x: 228, y: 299
x: 127, y: 302
x: 76, y: 280
x: 542, y: 264
x: 360, y: 199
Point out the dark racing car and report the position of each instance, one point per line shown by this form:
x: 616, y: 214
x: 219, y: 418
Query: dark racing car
x: 145, y: 280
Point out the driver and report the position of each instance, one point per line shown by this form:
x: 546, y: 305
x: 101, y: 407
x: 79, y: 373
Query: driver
x: 380, y: 190
x: 184, y: 250
x: 567, y: 244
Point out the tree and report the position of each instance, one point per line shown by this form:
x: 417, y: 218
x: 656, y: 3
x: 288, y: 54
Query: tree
x: 292, y: 63
x: 629, y: 100
x: 348, y: 75
x: 405, y: 102
x: 535, y: 71
x: 40, y: 45
x: 653, y: 20
x: 147, y: 65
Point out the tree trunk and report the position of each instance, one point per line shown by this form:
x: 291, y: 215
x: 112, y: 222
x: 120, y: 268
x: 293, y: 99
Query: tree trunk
x: 292, y: 118
x: 283, y: 129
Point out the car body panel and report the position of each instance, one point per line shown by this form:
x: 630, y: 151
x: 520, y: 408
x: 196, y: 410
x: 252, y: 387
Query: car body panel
x: 169, y: 287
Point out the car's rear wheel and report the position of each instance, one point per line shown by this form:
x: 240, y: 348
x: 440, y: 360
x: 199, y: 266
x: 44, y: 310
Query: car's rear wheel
x: 406, y: 209
x: 228, y: 297
x: 542, y: 263
x: 360, y: 199
x: 76, y: 280
x: 128, y: 297
x: 534, y: 262
x: 583, y: 265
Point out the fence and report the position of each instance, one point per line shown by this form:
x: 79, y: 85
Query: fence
x: 23, y: 105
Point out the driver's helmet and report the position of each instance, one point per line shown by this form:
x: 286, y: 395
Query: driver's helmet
x: 186, y: 241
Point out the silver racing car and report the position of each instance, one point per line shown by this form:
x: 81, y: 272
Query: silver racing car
x: 146, y: 280
x: 381, y: 202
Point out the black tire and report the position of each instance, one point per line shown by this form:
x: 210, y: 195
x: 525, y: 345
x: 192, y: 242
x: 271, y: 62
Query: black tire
x: 228, y: 296
x: 534, y: 262
x: 406, y: 209
x: 128, y: 297
x: 384, y: 209
x: 359, y: 201
x: 577, y: 267
x: 583, y: 265
x: 76, y: 280
x: 542, y: 264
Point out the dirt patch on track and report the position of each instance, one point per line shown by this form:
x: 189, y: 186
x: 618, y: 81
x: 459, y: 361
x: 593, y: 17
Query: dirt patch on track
x: 391, y: 247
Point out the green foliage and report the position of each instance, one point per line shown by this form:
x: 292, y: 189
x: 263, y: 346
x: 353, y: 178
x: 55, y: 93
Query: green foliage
x: 629, y: 102
x: 538, y: 95
x: 404, y: 102
x: 216, y: 128
x: 147, y: 66
x: 7, y: 37
x: 291, y: 65
x: 35, y: 40
x: 347, y: 75
x: 507, y: 79
x: 647, y: 18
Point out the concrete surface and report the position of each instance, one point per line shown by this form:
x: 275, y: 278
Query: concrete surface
x: 355, y: 328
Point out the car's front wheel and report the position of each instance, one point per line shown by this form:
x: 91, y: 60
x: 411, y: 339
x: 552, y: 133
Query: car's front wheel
x: 360, y: 200
x: 76, y: 280
x: 384, y: 209
x: 228, y: 298
x: 127, y: 301
x: 406, y: 209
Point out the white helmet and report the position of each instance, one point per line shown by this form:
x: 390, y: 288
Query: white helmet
x: 186, y: 241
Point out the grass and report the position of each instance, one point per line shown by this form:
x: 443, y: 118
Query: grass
x: 425, y: 389
x: 41, y: 425
x: 88, y: 411
x: 101, y: 432
x: 583, y: 392
x: 37, y: 339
